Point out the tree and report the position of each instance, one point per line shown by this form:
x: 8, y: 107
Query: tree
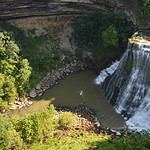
x: 8, y: 91
x: 110, y: 36
x: 146, y: 7
x: 22, y: 77
x: 14, y: 71
x: 39, y: 125
x: 9, y: 137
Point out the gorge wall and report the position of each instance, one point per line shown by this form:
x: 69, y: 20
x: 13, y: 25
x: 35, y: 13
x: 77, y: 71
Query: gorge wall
x: 53, y: 14
x: 10, y: 9
x: 55, y: 26
x: 54, y: 17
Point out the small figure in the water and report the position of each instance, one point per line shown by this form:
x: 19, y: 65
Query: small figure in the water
x: 81, y: 92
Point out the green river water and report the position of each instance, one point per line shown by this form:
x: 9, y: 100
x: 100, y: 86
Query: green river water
x: 67, y: 93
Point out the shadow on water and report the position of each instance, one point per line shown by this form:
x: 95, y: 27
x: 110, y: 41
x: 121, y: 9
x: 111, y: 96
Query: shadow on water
x: 76, y: 89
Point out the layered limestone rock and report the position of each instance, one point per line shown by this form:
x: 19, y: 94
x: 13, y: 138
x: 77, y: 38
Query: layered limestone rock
x: 10, y: 9
x: 54, y: 17
x: 59, y: 27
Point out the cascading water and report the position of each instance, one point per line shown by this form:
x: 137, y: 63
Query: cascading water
x: 106, y: 72
x: 126, y: 84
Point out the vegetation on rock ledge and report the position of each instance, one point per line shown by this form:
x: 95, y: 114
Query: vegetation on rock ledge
x: 105, y: 36
x: 44, y: 131
x: 14, y: 71
x: 42, y: 51
x: 146, y: 7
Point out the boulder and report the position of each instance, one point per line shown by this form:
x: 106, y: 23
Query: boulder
x: 30, y: 102
x: 38, y: 87
x: 33, y: 93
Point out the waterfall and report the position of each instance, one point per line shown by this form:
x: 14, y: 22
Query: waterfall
x: 141, y: 119
x: 106, y: 72
x: 126, y: 84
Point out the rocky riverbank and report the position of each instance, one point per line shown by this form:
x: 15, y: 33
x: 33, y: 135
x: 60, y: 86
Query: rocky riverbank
x: 89, y: 121
x: 53, y: 78
x: 81, y: 110
x: 87, y: 116
x: 20, y: 103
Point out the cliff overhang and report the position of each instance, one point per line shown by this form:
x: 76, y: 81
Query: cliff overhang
x: 12, y: 9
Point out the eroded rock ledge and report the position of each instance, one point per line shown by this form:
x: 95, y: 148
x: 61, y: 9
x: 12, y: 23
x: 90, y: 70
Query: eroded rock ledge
x: 10, y: 9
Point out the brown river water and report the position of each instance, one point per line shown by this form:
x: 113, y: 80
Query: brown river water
x: 68, y: 93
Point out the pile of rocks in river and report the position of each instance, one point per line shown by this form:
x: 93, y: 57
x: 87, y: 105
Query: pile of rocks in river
x: 52, y: 78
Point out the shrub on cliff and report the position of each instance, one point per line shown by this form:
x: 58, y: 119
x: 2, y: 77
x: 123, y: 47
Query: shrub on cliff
x: 38, y: 126
x: 8, y: 91
x: 92, y: 33
x: 67, y: 119
x: 9, y: 137
x: 138, y: 141
x: 14, y: 71
x: 146, y: 7
x: 40, y: 131
x: 110, y: 37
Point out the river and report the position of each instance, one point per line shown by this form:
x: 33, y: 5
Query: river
x: 76, y: 89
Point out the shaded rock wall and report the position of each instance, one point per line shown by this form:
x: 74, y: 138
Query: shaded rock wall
x: 10, y: 9
x: 54, y: 16
x: 59, y: 27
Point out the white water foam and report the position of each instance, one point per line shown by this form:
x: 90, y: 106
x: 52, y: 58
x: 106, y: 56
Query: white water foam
x: 134, y: 88
x: 106, y: 72
x: 141, y: 119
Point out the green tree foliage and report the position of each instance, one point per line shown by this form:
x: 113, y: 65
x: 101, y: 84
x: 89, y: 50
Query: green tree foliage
x: 14, y: 71
x: 41, y: 51
x: 38, y: 126
x: 89, y: 37
x: 88, y: 32
x: 41, y: 131
x: 110, y: 37
x: 9, y: 137
x: 146, y: 7
x: 67, y: 119
x: 138, y: 141
x: 8, y: 91
x: 22, y: 77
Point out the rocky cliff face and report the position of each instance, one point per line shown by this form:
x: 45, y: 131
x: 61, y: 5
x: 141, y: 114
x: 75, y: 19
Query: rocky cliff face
x: 10, y: 9
x: 54, y: 16
x: 59, y: 27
